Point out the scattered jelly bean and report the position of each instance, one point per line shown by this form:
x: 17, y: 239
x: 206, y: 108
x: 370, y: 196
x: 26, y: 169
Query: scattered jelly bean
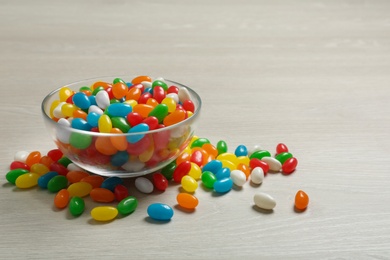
x: 254, y: 162
x: 33, y: 158
x: 301, y: 200
x: 195, y: 171
x: 181, y: 170
x: 95, y: 180
x: 281, y: 148
x: 264, y: 201
x: 168, y: 170
x: 274, y: 165
x: 289, y: 165
x: 79, y: 189
x: 102, y: 195
x: 189, y: 184
x: 187, y: 201
x: 160, y: 181
x: 104, y: 213
x: 57, y: 183
x: 127, y: 205
x: 213, y: 166
x: 241, y: 150
x: 45, y: 178
x: 222, y: 147
x: 61, y: 199
x: 76, y: 176
x: 223, y: 185
x: 18, y: 165
x: 39, y: 168
x: 238, y: 177
x: 120, y: 192
x: 12, y: 175
x: 144, y: 185
x: 260, y: 154
x: 111, y: 182
x: 253, y: 149
x: 55, y: 154
x: 257, y: 175
x: 223, y: 173
x: 76, y: 206
x: 21, y: 156
x: 26, y: 181
x: 200, y: 142
x: 59, y: 168
x: 282, y: 157
x: 160, y: 212
x: 208, y: 179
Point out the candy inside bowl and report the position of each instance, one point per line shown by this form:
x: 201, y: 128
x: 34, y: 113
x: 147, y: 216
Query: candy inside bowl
x: 122, y: 126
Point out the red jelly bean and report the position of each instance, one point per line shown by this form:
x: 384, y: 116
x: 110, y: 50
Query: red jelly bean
x: 55, y: 154
x: 134, y: 118
x: 160, y: 182
x: 158, y: 93
x: 19, y: 165
x: 59, y: 168
x: 281, y: 148
x: 173, y: 89
x: 151, y: 121
x: 120, y: 192
x: 189, y: 105
x: 144, y: 98
x: 197, y: 157
x: 181, y: 170
x: 289, y: 165
x: 95, y: 180
x: 255, y: 162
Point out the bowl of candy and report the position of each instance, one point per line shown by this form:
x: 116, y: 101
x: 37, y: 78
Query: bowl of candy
x: 122, y: 126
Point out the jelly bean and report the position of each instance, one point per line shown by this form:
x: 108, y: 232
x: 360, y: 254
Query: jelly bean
x: 151, y: 121
x: 173, y: 89
x: 81, y: 124
x: 65, y: 161
x: 59, y: 168
x: 33, y: 158
x: 281, y: 148
x: 97, y: 90
x: 259, y: 163
x: 144, y: 98
x: 228, y: 157
x: 174, y: 96
x: 45, y: 178
x: 144, y: 185
x: 189, y: 184
x: 93, y: 119
x: 65, y: 93
x: 160, y: 83
x: 160, y: 112
x: 160, y: 212
x: 187, y: 201
x: 120, y: 192
x: 158, y: 93
x: 168, y: 170
x: 274, y: 165
x: 12, y: 175
x: 80, y: 114
x: 213, y: 166
x: 53, y: 107
x: 76, y: 176
x: 104, y: 213
x: 208, y: 179
x: 264, y: 201
x: 189, y: 105
x: 104, y: 145
x: 282, y: 157
x: 245, y: 169
x: 140, y: 79
x: 133, y: 166
x: 81, y: 100
x: 111, y: 182
x: 222, y: 147
x: 80, y: 141
x: 18, y: 165
x: 181, y: 170
x: 301, y: 200
x: 73, y: 167
x: 223, y: 185
x: 197, y: 157
x: 57, y: 183
x: 211, y: 150
x: 120, y: 123
x: 46, y: 160
x: 102, y: 195
x: 57, y: 112
x: 127, y: 205
x: 257, y: 175
x: 183, y: 94
x: 119, y: 142
x: 170, y: 103
x: 68, y: 109
x: 228, y: 164
x: 95, y: 109
x: 134, y: 138
x: 119, y: 109
x: 243, y: 159
x: 104, y: 124
x: 76, y: 206
x: 102, y: 99
x: 119, y: 158
x: 289, y: 165
x: 200, y: 142
x: 79, y: 189
x: 39, y: 169
x: 63, y: 134
x: 55, y: 154
x: 241, y: 150
x: 95, y: 180
x: 195, y: 171
x: 134, y: 118
x: 143, y: 109
x: 223, y: 173
x: 160, y: 182
x: 119, y: 90
x: 260, y: 154
x: 92, y: 99
x: 61, y: 199
x: 238, y: 177
x: 27, y: 180
x: 21, y: 156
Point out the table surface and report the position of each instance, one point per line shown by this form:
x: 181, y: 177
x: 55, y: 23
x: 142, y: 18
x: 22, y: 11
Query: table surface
x: 311, y: 74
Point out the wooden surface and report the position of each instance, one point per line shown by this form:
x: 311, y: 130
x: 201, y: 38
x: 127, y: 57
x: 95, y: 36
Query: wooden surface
x: 311, y: 74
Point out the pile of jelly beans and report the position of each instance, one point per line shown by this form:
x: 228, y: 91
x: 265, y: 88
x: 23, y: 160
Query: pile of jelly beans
x: 201, y: 163
x: 120, y: 107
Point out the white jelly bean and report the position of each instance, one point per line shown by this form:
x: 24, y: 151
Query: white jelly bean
x: 73, y: 167
x: 174, y: 96
x: 95, y: 109
x: 160, y: 79
x: 133, y: 166
x: 102, y: 99
x: 264, y: 201
x: 257, y: 175
x: 63, y: 134
x: 254, y: 149
x: 184, y: 94
x: 21, y: 156
x: 144, y: 185
x: 57, y: 112
x: 146, y: 84
x: 274, y: 165
x: 238, y: 177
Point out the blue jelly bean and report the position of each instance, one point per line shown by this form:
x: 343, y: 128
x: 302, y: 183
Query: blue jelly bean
x: 128, y: 84
x: 119, y: 109
x: 44, y: 179
x: 81, y: 100
x: 81, y: 124
x: 119, y: 158
x: 150, y: 90
x: 223, y: 173
x: 241, y: 150
x: 159, y: 211
x: 212, y: 166
x: 111, y: 182
x: 142, y: 127
x: 224, y: 185
x: 92, y: 99
x: 93, y: 119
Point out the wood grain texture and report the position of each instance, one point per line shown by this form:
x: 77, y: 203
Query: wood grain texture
x: 312, y: 74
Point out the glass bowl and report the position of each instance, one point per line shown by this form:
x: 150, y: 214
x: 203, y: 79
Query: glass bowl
x: 120, y: 154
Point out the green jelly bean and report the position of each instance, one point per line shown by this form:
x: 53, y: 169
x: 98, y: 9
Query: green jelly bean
x: 57, y: 183
x: 84, y: 88
x: 282, y: 157
x: 260, y: 154
x: 76, y: 206
x: 160, y: 112
x: 114, y: 100
x: 80, y: 141
x: 64, y: 161
x: 121, y: 123
x: 12, y: 175
x: 160, y: 83
x: 117, y: 80
x: 200, y: 142
x: 127, y: 205
x: 208, y: 179
x: 168, y: 170
x: 222, y: 147
x: 96, y: 90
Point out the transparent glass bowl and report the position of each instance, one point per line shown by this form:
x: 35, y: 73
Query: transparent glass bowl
x: 154, y: 150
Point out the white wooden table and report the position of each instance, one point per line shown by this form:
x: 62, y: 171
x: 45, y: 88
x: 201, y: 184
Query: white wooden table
x: 311, y: 74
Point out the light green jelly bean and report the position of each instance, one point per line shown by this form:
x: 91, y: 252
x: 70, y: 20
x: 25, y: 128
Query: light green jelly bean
x: 76, y: 206
x: 260, y: 154
x: 200, y: 142
x: 282, y: 157
x: 121, y: 123
x: 57, y: 183
x: 117, y: 80
x: 222, y: 147
x: 12, y: 175
x: 127, y: 205
x: 160, y: 83
x: 160, y: 112
x: 80, y: 141
x: 208, y: 179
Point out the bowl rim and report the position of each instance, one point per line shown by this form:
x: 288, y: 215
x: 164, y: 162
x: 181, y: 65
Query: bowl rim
x: 48, y: 119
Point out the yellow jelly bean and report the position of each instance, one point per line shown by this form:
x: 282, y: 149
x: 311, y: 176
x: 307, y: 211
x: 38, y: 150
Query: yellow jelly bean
x: 145, y: 156
x: 105, y: 124
x: 229, y: 157
x: 68, y: 109
x: 39, y: 168
x: 65, y: 93
x: 170, y: 103
x: 189, y: 184
x: 79, y: 189
x: 104, y: 213
x: 53, y: 106
x: 195, y: 171
x: 243, y: 159
x: 27, y: 180
x: 131, y: 102
x: 228, y: 164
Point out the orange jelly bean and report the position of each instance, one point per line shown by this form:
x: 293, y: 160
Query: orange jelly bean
x: 119, y: 90
x: 211, y: 150
x: 119, y: 142
x: 76, y: 176
x: 183, y: 157
x: 46, y: 160
x: 61, y: 200
x: 139, y: 79
x: 102, y: 195
x: 245, y: 169
x: 187, y: 200
x: 143, y: 109
x: 301, y: 200
x: 174, y: 117
x: 80, y: 114
x: 103, y: 145
x: 133, y: 94
x: 95, y: 180
x: 33, y: 158
x: 103, y: 84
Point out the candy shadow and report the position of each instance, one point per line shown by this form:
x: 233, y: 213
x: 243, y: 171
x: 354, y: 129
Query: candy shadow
x: 262, y: 211
x: 7, y: 184
x: 93, y: 222
x: 237, y: 188
x: 158, y: 222
x: 287, y: 174
x: 181, y: 190
x: 189, y: 211
x: 254, y: 185
x: 296, y: 210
